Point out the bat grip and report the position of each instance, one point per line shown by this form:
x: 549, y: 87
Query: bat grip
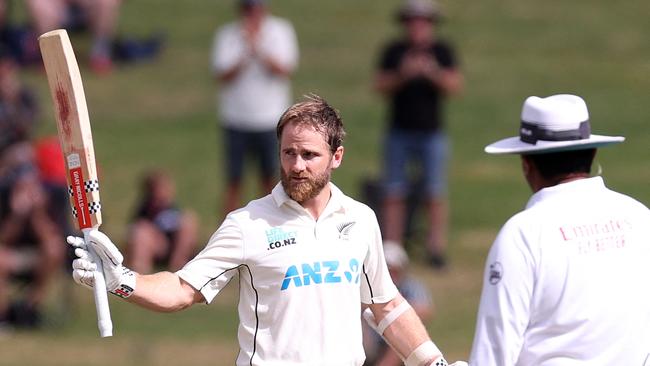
x: 104, y: 322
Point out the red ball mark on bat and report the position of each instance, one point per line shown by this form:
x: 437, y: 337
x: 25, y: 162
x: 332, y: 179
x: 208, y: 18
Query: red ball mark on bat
x: 64, y: 110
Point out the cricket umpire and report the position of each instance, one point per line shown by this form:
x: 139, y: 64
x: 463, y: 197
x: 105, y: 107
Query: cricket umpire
x: 566, y: 280
x: 307, y: 257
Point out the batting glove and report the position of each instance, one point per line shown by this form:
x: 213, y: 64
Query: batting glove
x: 441, y: 362
x: 120, y: 280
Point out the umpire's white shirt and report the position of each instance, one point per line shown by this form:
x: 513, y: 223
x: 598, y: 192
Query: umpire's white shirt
x: 567, y: 282
x: 256, y: 98
x: 302, y: 280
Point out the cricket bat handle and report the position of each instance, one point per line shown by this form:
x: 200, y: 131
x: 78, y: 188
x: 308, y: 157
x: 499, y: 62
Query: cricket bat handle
x: 104, y: 322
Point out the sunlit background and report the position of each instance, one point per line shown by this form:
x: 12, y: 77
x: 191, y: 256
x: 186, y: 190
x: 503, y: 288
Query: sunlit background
x: 162, y: 114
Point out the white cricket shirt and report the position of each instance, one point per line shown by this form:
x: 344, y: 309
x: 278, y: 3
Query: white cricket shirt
x: 302, y: 281
x: 256, y: 98
x: 566, y: 282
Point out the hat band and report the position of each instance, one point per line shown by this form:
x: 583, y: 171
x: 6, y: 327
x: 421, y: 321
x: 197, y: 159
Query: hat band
x: 531, y: 133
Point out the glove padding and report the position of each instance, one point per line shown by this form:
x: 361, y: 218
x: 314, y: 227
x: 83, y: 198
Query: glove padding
x: 120, y: 280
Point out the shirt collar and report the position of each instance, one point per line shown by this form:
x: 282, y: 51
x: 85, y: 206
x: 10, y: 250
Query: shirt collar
x: 579, y: 186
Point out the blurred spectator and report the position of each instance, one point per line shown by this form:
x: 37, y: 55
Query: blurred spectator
x: 162, y: 234
x: 52, y: 171
x: 31, y: 241
x: 416, y: 73
x: 18, y: 41
x: 378, y: 353
x: 99, y: 16
x: 253, y: 59
x: 18, y: 111
x: 31, y: 244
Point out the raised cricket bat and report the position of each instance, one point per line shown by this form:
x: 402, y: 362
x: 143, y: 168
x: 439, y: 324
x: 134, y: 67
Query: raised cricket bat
x: 76, y: 141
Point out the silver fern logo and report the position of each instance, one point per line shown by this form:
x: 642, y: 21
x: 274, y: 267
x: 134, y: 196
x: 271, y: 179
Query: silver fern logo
x: 344, y: 229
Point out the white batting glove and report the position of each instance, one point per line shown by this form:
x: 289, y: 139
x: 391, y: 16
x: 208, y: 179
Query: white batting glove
x: 120, y: 280
x: 459, y: 363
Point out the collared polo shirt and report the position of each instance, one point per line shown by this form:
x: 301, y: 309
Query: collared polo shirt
x: 302, y: 281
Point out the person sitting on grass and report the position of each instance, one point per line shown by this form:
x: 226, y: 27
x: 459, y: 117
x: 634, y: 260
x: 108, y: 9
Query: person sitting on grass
x: 31, y: 247
x: 162, y: 234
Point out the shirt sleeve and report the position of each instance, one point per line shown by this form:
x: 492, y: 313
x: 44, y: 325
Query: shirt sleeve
x: 376, y: 284
x: 504, y: 309
x: 212, y: 269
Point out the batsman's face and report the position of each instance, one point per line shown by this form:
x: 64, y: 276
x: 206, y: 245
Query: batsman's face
x: 306, y: 162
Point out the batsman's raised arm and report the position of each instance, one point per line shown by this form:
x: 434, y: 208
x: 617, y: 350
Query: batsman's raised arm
x: 163, y: 291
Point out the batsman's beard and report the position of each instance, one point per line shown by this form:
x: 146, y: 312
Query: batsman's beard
x: 305, y: 190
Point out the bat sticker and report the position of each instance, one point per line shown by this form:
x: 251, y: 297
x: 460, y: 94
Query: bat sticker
x: 80, y: 201
x: 91, y: 185
x: 74, y: 161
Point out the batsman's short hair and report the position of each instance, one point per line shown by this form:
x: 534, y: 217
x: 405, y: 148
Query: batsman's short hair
x: 314, y: 111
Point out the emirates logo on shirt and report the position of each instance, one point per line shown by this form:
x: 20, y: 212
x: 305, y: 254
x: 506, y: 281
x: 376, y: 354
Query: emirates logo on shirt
x: 597, y: 236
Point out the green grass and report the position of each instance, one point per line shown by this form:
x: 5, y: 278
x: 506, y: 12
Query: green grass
x: 162, y: 114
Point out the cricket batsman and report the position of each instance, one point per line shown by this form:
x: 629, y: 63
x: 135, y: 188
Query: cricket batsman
x: 306, y: 255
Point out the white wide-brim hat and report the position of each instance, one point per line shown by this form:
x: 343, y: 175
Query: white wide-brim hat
x: 552, y: 124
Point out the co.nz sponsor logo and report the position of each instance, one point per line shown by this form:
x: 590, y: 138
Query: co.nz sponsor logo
x: 278, y: 238
x: 316, y: 273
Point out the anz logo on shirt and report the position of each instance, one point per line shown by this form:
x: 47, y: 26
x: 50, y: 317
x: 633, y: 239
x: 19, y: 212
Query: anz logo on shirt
x: 318, y: 273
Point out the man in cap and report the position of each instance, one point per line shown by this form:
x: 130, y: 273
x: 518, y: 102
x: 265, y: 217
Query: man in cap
x: 565, y: 281
x: 253, y: 59
x: 416, y: 73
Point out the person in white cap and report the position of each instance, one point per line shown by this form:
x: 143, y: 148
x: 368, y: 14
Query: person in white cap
x: 416, y: 73
x: 565, y: 281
